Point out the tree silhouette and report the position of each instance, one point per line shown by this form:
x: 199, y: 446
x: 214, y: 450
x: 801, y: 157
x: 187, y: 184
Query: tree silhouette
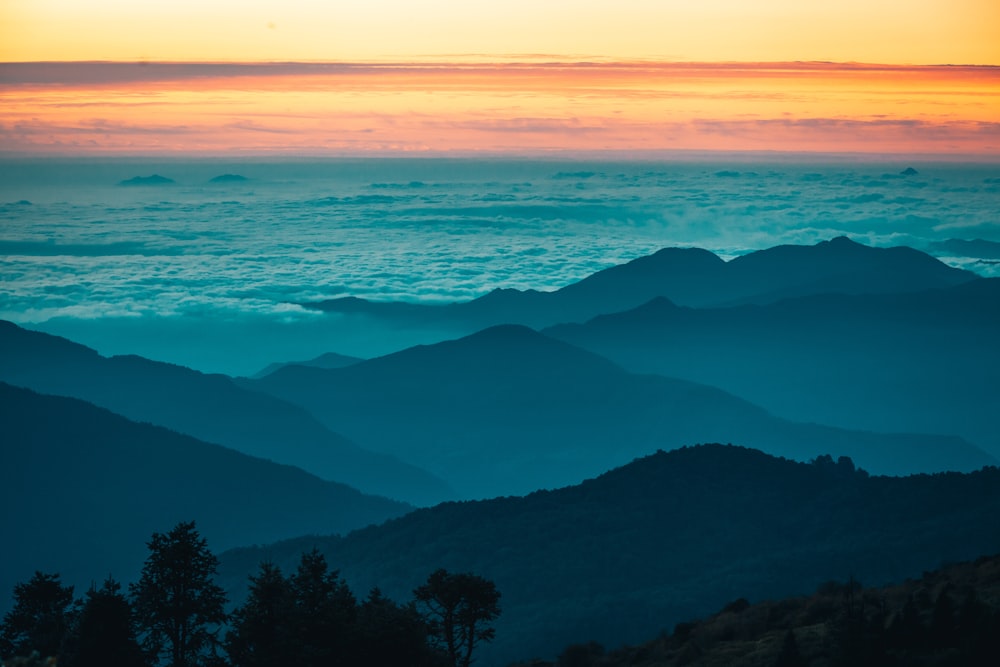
x: 459, y: 608
x: 176, y: 602
x: 325, y: 613
x: 392, y: 634
x: 261, y: 630
x: 104, y: 635
x: 40, y: 618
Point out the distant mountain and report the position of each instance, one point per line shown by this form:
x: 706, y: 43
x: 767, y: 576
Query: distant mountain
x: 691, y: 277
x: 664, y: 539
x: 229, y: 178
x: 918, y: 362
x: 155, y: 179
x: 210, y: 407
x: 508, y: 410
x: 84, y: 489
x: 328, y: 360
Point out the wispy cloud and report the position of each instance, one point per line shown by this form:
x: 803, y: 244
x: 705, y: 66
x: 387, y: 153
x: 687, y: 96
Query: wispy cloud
x: 509, y: 107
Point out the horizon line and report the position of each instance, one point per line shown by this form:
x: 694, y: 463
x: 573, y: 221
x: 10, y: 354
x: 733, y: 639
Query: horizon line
x: 567, y: 155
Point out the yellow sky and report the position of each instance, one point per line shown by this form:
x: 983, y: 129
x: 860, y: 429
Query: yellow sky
x: 883, y: 31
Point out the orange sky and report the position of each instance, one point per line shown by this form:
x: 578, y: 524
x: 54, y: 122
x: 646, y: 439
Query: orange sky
x: 637, y: 76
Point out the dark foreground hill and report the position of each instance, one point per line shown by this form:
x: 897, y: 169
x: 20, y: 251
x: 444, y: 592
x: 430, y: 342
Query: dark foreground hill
x: 918, y: 362
x: 209, y: 407
x: 691, y: 277
x: 83, y: 489
x: 508, y: 410
x: 667, y: 538
x: 949, y: 617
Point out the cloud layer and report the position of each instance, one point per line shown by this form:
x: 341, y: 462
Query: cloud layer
x: 79, y: 250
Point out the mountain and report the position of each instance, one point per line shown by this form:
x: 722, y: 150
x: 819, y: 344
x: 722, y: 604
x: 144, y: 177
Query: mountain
x: 328, y: 360
x: 209, y: 407
x: 664, y: 539
x: 83, y: 489
x: 508, y: 410
x: 690, y: 277
x: 917, y: 362
x: 229, y: 178
x: 948, y: 616
x: 155, y: 179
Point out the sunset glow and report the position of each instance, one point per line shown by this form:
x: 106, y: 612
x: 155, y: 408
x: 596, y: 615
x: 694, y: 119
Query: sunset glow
x: 499, y: 109
x: 499, y: 78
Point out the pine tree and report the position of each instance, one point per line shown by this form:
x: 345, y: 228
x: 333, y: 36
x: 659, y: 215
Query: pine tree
x: 176, y: 602
x: 392, y: 634
x: 104, y: 635
x: 325, y: 613
x: 261, y: 632
x: 40, y: 618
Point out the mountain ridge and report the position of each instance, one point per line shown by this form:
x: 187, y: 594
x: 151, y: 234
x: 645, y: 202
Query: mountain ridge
x: 508, y: 410
x: 920, y: 361
x: 688, y: 276
x: 210, y: 407
x: 663, y: 539
x: 90, y: 487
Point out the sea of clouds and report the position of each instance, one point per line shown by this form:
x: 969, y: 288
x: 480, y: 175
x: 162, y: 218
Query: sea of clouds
x: 210, y: 274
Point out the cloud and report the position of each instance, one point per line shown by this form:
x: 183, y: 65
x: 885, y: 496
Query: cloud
x: 52, y: 249
x: 496, y: 108
x: 117, y: 73
x: 523, y: 125
x: 86, y: 249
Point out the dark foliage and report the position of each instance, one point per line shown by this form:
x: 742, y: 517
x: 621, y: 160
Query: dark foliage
x: 177, y: 604
x: 260, y: 633
x: 460, y: 608
x: 917, y: 623
x: 665, y: 539
x: 311, y: 619
x: 104, y: 634
x: 324, y: 613
x: 42, y: 614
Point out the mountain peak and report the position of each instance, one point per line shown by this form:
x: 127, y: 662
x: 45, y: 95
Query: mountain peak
x: 505, y: 332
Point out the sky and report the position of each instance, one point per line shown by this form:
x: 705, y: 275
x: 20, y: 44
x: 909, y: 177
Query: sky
x: 483, y: 77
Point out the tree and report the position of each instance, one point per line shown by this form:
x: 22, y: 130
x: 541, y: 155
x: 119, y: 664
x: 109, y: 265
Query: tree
x: 459, y: 608
x: 176, y: 602
x: 261, y: 632
x: 392, y: 634
x: 40, y: 618
x: 104, y: 635
x: 325, y: 613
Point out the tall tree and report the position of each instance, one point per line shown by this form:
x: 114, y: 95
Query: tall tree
x: 104, y: 634
x: 261, y: 633
x: 459, y: 610
x: 392, y: 634
x: 177, y: 604
x: 41, y: 616
x: 325, y: 613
